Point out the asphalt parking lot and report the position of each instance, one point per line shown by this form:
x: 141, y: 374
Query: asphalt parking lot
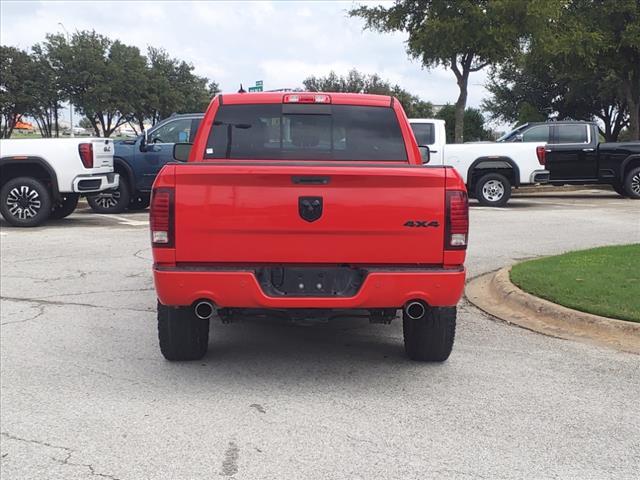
x: 86, y: 393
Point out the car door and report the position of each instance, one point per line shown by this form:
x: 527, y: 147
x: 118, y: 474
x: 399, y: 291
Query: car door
x: 426, y: 135
x: 159, y: 149
x: 573, y: 153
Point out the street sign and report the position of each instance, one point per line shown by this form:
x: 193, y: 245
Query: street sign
x: 258, y: 83
x: 255, y: 89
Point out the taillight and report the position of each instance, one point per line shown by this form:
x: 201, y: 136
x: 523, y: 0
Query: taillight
x: 86, y: 154
x: 457, y: 229
x: 161, y: 217
x: 306, y: 98
x: 541, y: 152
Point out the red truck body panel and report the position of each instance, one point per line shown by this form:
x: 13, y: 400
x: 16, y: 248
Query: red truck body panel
x: 233, y: 216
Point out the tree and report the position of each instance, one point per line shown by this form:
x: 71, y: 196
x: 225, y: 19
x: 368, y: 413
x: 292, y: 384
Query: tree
x: 464, y: 36
x: 357, y: 82
x: 552, y: 78
x: 44, y: 86
x: 474, y: 129
x: 15, y: 97
x: 604, y: 35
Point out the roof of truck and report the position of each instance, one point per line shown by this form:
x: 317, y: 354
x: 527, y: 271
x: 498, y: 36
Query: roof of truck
x: 279, y: 97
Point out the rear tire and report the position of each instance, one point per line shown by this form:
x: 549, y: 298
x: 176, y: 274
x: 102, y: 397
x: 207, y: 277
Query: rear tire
x: 632, y: 183
x: 619, y: 189
x: 493, y: 190
x: 65, y: 206
x: 139, y: 201
x: 182, y: 335
x: 111, y: 201
x: 430, y: 338
x: 25, y: 202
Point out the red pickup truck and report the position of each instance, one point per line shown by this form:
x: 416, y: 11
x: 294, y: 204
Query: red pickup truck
x: 307, y: 204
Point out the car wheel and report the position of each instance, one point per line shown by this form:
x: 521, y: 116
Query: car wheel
x: 110, y: 201
x: 619, y: 189
x: 65, y: 206
x: 182, y: 335
x: 493, y: 190
x: 139, y: 201
x: 25, y: 202
x: 430, y: 338
x: 632, y: 183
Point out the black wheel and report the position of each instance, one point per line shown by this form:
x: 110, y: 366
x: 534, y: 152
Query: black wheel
x: 25, y: 202
x: 65, y: 206
x: 182, y: 335
x: 493, y: 190
x: 111, y: 201
x: 632, y: 183
x: 619, y: 189
x: 139, y: 201
x: 430, y: 338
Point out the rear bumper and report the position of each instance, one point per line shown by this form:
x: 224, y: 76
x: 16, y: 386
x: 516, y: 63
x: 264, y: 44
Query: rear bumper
x: 237, y: 288
x: 95, y: 183
x: 539, y: 176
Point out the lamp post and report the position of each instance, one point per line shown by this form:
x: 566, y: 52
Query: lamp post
x: 70, y: 104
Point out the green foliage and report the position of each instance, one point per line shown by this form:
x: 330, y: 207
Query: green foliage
x: 604, y: 281
x: 358, y: 82
x: 474, y: 129
x: 582, y: 64
x: 464, y: 35
x: 15, y: 96
x: 110, y: 83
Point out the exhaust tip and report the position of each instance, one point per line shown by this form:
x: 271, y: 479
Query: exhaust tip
x: 415, y: 310
x: 204, y: 310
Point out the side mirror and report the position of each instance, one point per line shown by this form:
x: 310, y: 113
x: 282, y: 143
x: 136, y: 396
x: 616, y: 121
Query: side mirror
x: 426, y: 153
x: 181, y: 151
x: 144, y: 141
x: 519, y: 138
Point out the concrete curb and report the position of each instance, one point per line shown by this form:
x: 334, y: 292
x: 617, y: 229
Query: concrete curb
x: 496, y: 295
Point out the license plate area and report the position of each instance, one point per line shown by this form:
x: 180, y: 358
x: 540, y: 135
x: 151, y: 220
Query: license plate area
x: 310, y: 281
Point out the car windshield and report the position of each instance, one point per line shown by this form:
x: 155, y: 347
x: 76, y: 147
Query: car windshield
x: 509, y: 136
x: 306, y: 132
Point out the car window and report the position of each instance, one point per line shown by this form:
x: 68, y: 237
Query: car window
x: 176, y: 131
x: 425, y: 133
x: 195, y: 123
x: 572, y: 134
x: 306, y: 131
x: 539, y: 133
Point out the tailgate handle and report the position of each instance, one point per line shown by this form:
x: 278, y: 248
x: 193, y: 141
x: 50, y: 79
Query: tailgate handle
x: 310, y: 180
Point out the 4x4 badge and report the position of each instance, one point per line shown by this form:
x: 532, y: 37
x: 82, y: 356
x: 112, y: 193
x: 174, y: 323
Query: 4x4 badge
x: 310, y: 208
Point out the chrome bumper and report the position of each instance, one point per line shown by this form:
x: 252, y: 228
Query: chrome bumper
x: 539, y: 176
x: 95, y: 183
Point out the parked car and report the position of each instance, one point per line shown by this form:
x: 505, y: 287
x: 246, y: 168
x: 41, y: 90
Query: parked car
x: 43, y: 178
x: 489, y: 170
x: 584, y: 160
x: 307, y: 204
x: 562, y: 131
x: 139, y: 160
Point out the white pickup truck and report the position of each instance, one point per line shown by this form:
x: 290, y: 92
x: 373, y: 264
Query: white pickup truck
x: 43, y: 178
x: 488, y: 169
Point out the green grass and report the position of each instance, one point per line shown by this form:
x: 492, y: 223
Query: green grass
x: 604, y: 281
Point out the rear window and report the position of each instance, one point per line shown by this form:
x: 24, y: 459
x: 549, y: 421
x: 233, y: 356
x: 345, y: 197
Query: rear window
x: 572, y: 134
x: 306, y: 132
x: 425, y: 133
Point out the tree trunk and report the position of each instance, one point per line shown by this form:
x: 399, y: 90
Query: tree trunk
x: 461, y: 104
x: 634, y: 118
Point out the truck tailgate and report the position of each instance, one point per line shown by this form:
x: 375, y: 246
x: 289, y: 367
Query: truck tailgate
x: 250, y: 213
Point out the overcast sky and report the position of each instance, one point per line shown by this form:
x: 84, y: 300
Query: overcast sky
x: 279, y: 42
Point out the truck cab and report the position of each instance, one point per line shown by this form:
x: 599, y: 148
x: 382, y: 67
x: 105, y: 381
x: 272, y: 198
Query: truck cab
x: 139, y: 160
x: 579, y: 158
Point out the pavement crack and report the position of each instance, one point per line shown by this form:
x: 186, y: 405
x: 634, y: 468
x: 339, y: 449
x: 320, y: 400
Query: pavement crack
x: 40, y: 301
x: 230, y: 463
x: 66, y: 460
x: 38, y: 314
